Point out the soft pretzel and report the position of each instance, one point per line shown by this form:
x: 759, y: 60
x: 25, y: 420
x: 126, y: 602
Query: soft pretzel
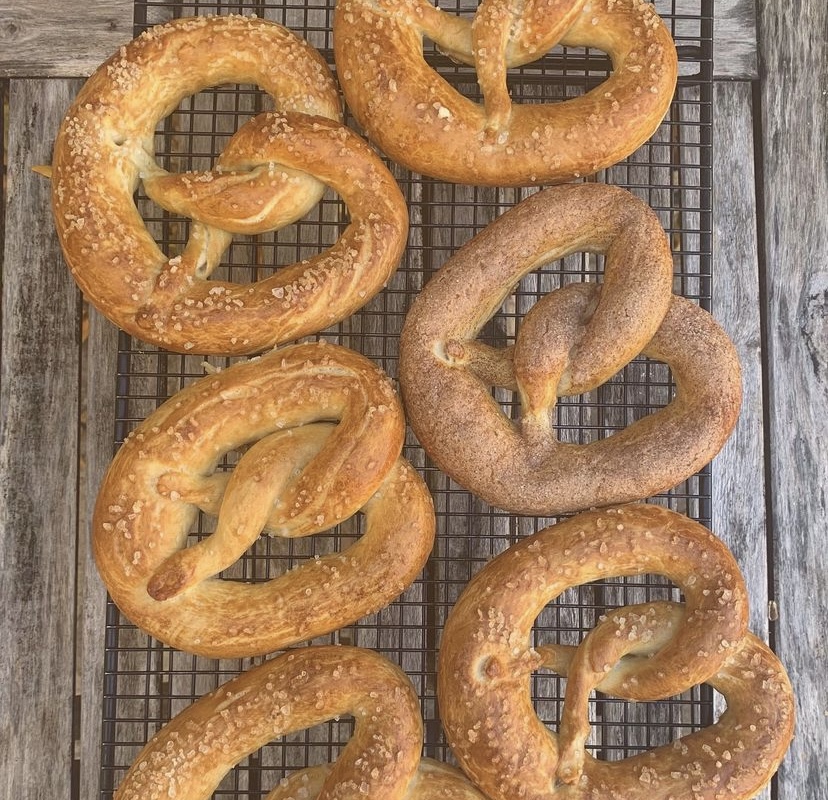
x: 571, y: 341
x: 486, y: 660
x: 273, y: 171
x: 299, y: 689
x: 432, y: 781
x: 422, y: 122
x: 301, y: 475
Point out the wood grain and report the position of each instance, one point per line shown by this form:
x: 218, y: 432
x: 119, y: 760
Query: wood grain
x: 738, y: 500
x: 99, y: 397
x: 737, y: 473
x: 734, y: 40
x: 38, y: 464
x: 68, y: 39
x: 794, y: 238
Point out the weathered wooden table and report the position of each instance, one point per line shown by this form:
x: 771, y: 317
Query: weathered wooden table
x: 76, y: 679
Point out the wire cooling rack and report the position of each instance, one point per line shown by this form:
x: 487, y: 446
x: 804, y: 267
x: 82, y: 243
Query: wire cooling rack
x: 147, y: 683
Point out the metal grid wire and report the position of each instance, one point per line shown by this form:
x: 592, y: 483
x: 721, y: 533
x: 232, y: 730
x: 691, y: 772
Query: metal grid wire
x: 147, y: 683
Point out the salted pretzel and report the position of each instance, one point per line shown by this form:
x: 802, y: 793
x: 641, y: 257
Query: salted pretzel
x: 571, y: 341
x: 191, y: 754
x: 299, y: 475
x: 646, y: 652
x: 424, y: 123
x: 432, y: 781
x: 273, y: 171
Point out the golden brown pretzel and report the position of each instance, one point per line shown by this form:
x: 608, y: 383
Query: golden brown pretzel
x: 432, y: 781
x: 486, y: 661
x: 299, y: 689
x: 299, y: 477
x: 274, y: 170
x: 571, y: 341
x: 422, y: 122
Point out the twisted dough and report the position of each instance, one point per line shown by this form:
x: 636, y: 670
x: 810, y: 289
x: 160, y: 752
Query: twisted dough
x: 299, y: 689
x: 422, y: 122
x: 301, y: 475
x: 432, y: 781
x: 273, y: 171
x: 571, y: 341
x: 486, y: 661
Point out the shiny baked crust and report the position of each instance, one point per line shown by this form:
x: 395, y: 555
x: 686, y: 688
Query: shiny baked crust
x: 421, y: 121
x: 299, y: 474
x: 571, y: 341
x: 432, y: 781
x: 486, y: 660
x: 304, y: 687
x: 273, y: 171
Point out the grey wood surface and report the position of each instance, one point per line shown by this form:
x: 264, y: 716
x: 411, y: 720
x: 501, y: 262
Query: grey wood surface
x: 61, y: 39
x: 99, y: 403
x: 734, y: 40
x: 738, y: 475
x: 38, y: 464
x: 794, y: 251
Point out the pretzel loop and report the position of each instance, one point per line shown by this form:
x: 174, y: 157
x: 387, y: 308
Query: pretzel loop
x: 501, y: 25
x: 572, y: 340
x: 646, y: 652
x: 274, y: 171
x: 422, y: 122
x: 300, y: 474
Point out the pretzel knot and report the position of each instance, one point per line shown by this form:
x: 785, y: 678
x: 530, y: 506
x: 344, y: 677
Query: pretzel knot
x: 422, y: 122
x: 273, y: 171
x: 300, y: 474
x: 299, y: 689
x: 645, y: 652
x: 571, y: 341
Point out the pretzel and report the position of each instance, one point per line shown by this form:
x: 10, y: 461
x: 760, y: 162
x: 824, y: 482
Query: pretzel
x: 571, y: 341
x: 299, y: 689
x: 301, y: 475
x: 486, y: 660
x: 419, y: 120
x: 432, y: 781
x: 273, y: 172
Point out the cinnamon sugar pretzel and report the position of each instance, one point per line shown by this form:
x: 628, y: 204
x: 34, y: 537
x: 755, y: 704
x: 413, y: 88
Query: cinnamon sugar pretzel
x: 273, y: 171
x: 571, y: 341
x: 646, y: 652
x: 299, y: 475
x: 424, y: 123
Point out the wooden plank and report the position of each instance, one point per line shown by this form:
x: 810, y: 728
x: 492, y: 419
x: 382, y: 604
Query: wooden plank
x: 734, y: 40
x: 38, y: 463
x: 738, y: 471
x: 99, y: 403
x: 42, y: 38
x: 794, y: 238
